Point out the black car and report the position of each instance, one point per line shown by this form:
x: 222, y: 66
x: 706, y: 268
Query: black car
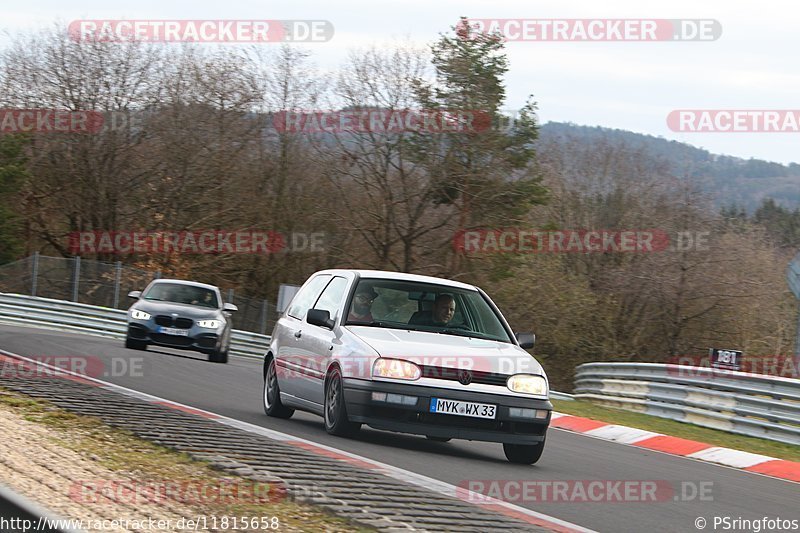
x: 181, y: 314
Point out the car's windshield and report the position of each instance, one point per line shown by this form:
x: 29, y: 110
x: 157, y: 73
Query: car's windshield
x: 427, y: 307
x: 182, y: 294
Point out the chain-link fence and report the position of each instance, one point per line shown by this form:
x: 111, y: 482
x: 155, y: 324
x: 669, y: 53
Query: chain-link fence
x: 108, y: 284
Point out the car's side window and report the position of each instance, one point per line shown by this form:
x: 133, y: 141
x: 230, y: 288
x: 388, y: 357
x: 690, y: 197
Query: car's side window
x: 305, y: 298
x: 331, y: 298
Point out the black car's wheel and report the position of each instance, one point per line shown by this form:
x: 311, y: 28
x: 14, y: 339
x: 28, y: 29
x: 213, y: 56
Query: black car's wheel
x: 526, y: 454
x: 336, y: 421
x: 133, y: 344
x: 437, y: 439
x: 272, y: 394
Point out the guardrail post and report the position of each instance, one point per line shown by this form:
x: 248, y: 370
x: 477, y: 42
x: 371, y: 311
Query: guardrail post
x: 264, y: 317
x: 76, y: 277
x: 158, y: 274
x: 230, y: 295
x: 117, y: 282
x: 35, y: 273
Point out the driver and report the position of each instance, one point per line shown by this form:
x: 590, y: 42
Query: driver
x: 444, y: 308
x: 361, y: 311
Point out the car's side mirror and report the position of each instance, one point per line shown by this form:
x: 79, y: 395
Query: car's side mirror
x: 230, y: 308
x: 319, y: 317
x: 526, y: 340
x: 135, y: 295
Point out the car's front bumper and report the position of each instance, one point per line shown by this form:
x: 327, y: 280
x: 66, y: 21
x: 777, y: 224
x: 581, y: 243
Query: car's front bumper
x: 199, y: 339
x: 418, y: 419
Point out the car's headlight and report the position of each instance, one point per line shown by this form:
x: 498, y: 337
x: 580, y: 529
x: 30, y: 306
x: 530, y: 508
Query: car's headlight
x: 140, y: 315
x: 528, y: 384
x: 210, y: 324
x: 396, y: 369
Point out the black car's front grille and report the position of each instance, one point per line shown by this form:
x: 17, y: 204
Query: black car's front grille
x: 164, y: 320
x: 167, y: 321
x: 452, y: 374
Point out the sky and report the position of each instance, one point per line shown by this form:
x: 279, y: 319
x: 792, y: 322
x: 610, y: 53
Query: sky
x: 753, y: 65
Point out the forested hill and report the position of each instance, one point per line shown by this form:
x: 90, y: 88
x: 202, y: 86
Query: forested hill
x: 730, y: 180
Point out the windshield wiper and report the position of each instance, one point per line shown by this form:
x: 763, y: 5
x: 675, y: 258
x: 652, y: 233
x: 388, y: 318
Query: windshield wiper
x: 464, y: 333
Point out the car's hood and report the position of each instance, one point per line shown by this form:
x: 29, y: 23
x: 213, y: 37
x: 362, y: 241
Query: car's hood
x: 183, y: 310
x: 450, y: 351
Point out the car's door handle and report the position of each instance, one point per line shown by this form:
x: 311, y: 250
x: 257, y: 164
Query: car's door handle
x: 298, y: 334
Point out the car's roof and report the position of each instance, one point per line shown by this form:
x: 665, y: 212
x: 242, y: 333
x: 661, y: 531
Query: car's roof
x: 186, y: 282
x: 382, y: 274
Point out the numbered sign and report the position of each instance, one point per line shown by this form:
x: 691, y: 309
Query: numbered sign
x: 727, y: 359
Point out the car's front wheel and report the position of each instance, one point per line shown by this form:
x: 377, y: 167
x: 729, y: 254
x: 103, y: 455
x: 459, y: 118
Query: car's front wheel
x: 336, y: 421
x: 133, y: 344
x: 272, y: 394
x: 526, y: 454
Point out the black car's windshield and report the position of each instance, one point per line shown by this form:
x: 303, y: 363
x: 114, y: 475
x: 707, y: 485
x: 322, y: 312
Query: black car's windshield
x: 182, y: 294
x: 420, y: 306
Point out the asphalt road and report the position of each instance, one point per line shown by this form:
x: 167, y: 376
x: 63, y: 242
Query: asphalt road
x: 235, y: 389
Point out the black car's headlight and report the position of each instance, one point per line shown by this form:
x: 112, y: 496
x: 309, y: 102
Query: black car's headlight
x: 139, y: 315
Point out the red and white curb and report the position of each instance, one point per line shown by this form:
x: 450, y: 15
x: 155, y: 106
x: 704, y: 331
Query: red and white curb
x: 491, y: 504
x: 751, y: 462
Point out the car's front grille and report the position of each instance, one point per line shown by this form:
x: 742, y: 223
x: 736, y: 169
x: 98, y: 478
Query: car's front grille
x: 164, y: 320
x: 452, y: 374
x: 167, y: 321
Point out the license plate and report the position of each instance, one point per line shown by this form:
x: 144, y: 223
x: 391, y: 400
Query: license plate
x: 456, y: 407
x: 173, y: 331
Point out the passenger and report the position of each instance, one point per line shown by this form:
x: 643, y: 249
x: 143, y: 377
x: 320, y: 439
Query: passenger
x: 444, y: 308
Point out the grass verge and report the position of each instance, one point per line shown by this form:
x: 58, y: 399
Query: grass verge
x: 134, y: 458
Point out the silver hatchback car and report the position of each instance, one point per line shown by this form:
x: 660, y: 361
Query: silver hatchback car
x: 407, y: 353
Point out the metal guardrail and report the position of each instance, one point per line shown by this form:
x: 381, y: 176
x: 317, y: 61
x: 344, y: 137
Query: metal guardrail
x: 23, y: 515
x: 99, y: 321
x: 755, y: 405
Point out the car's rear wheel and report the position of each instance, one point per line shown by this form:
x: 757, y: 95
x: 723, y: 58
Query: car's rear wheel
x: 526, y: 454
x: 336, y: 421
x: 437, y: 439
x: 133, y: 344
x: 272, y: 394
